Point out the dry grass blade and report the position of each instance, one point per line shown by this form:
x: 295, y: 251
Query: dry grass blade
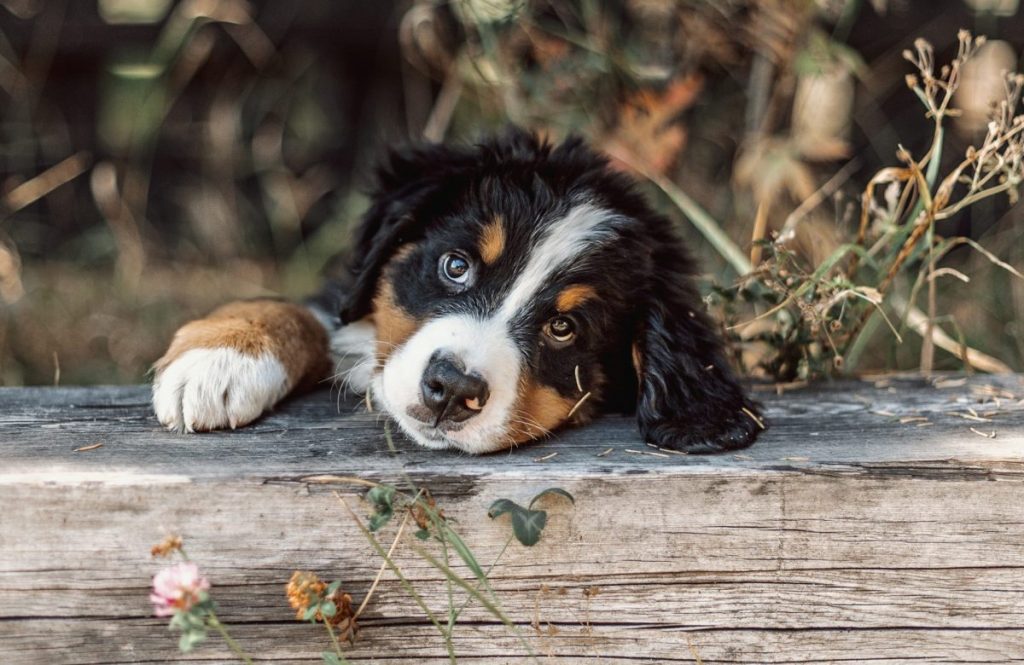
x: 886, y: 175
x: 693, y: 651
x: 32, y: 190
x: 952, y: 272
x: 995, y: 260
x: 383, y: 566
x: 705, y: 223
x: 972, y: 416
x: 819, y: 196
x: 753, y: 416
x: 918, y: 322
x: 577, y: 405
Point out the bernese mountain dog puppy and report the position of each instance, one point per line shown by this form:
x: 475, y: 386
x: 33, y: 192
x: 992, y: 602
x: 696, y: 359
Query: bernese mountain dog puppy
x: 494, y: 294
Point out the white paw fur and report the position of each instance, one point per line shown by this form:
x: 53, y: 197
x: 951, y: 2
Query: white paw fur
x: 208, y: 389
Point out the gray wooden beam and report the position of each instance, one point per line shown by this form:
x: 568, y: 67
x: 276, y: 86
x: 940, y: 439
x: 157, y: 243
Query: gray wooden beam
x: 870, y: 523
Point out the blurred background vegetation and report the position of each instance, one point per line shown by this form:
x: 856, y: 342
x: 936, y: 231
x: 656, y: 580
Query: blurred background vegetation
x: 158, y: 158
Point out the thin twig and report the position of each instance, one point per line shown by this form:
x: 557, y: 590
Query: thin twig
x: 577, y: 405
x: 32, y: 190
x: 815, y: 199
x: 753, y: 416
x: 704, y: 222
x: 383, y: 566
x: 391, y: 564
x: 232, y: 644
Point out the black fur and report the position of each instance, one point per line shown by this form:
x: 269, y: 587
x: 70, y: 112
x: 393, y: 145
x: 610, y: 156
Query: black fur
x: 684, y: 394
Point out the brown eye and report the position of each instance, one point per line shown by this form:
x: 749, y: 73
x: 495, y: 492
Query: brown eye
x: 455, y: 267
x: 561, y: 329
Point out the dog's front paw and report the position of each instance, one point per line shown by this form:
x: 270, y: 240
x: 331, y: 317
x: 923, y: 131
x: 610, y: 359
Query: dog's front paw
x: 205, y: 389
x: 715, y: 435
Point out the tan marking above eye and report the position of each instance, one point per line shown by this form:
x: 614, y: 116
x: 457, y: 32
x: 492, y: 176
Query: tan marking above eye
x: 492, y: 241
x: 573, y: 296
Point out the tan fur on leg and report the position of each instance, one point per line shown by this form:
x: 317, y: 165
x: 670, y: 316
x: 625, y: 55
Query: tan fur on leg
x: 228, y: 368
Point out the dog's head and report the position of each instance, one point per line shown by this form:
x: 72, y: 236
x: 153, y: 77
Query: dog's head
x: 515, y: 287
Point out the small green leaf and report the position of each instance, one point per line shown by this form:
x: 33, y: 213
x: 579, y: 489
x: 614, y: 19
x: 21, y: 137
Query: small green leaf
x: 310, y: 613
x: 328, y: 608
x: 556, y: 491
x: 527, y: 525
x: 179, y: 621
x: 382, y: 498
x: 463, y: 551
x: 378, y: 520
x: 333, y: 587
x: 502, y: 506
x: 330, y: 658
x: 189, y: 640
x: 422, y: 534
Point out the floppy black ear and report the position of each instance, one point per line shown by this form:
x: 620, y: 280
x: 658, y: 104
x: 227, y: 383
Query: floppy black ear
x: 689, y: 399
x: 411, y: 185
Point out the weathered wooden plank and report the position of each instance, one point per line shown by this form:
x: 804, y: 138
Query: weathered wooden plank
x: 844, y: 535
x: 834, y: 426
x: 140, y: 639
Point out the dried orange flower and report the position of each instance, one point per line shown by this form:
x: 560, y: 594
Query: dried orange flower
x: 344, y: 619
x: 167, y: 546
x: 303, y: 589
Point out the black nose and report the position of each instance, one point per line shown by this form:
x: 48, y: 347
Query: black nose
x: 449, y: 392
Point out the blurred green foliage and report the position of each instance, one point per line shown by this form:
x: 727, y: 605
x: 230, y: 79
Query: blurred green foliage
x: 158, y: 158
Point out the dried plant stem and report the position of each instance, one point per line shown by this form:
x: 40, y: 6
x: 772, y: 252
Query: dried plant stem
x: 704, y: 222
x: 919, y: 231
x: 924, y: 225
x: 334, y: 640
x: 890, y: 174
x: 760, y: 227
x: 977, y: 359
x: 451, y: 593
x: 928, y: 345
x: 816, y: 199
x: 477, y: 595
x: 486, y: 573
x: 383, y: 566
x: 32, y: 190
x: 577, y: 405
x: 215, y: 623
x: 406, y: 584
x: 444, y: 107
x: 693, y: 651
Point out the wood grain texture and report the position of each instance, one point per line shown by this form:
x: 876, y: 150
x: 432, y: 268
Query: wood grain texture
x: 845, y: 535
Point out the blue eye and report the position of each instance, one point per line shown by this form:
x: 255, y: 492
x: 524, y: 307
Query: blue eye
x: 455, y: 267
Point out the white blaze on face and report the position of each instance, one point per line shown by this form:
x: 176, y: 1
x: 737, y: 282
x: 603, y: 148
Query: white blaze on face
x: 486, y: 346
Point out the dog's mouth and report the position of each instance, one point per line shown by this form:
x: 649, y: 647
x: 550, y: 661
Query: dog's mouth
x: 428, y: 423
x: 419, y: 423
